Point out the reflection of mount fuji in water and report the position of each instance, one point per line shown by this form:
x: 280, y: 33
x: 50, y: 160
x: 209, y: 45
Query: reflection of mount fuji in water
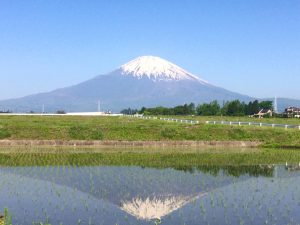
x: 134, y: 195
x: 156, y: 207
x: 145, y: 194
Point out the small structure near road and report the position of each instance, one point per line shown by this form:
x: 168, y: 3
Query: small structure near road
x: 264, y: 112
x: 292, y: 112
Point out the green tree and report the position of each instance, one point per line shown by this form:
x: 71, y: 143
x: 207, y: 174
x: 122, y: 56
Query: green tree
x: 209, y: 109
x: 192, y: 108
x: 266, y: 105
x: 234, y: 108
x: 186, y: 109
x: 129, y: 111
x: 252, y: 108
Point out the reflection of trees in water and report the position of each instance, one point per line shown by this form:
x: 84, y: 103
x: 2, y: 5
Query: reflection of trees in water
x: 230, y: 170
x: 96, y: 159
x: 239, y: 170
x: 292, y: 167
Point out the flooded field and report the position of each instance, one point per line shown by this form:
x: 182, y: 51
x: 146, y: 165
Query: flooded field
x: 70, y: 194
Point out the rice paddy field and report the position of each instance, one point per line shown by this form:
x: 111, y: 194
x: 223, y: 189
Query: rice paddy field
x: 169, y: 185
x: 150, y: 186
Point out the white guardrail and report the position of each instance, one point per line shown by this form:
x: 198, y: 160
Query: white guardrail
x: 273, y: 125
x: 165, y: 119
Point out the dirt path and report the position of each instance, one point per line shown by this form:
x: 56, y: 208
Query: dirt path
x: 128, y: 143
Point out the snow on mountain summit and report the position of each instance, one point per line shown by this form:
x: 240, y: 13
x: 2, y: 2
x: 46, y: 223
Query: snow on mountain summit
x: 156, y: 68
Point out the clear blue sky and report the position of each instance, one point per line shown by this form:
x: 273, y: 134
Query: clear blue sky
x: 251, y: 47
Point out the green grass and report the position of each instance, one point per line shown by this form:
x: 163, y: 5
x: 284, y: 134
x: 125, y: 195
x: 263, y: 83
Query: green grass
x: 180, y: 158
x: 125, y: 128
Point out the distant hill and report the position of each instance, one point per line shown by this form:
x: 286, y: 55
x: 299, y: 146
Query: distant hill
x: 146, y: 81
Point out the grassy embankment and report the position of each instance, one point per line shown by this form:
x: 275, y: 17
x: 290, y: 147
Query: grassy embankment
x: 132, y: 129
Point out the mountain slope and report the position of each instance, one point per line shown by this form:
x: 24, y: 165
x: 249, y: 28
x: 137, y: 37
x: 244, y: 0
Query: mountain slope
x: 146, y: 81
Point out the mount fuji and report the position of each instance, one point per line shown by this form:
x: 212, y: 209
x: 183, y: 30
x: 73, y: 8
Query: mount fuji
x: 145, y: 81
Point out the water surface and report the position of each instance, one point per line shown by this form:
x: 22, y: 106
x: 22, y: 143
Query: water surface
x: 262, y: 194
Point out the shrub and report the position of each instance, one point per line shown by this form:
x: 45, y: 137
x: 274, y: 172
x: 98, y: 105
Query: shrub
x: 80, y: 132
x: 168, y: 133
x: 97, y: 135
x: 60, y: 112
x: 4, y: 134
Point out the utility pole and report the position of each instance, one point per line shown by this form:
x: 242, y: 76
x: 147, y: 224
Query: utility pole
x: 43, y: 109
x: 275, y: 105
x: 99, y: 109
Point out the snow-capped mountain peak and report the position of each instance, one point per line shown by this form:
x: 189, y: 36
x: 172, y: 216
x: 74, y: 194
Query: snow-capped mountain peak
x: 156, y: 68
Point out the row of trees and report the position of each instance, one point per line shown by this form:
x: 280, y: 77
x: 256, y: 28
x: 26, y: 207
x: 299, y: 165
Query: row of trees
x: 186, y: 109
x: 230, y: 108
x: 233, y: 108
x: 5, y: 111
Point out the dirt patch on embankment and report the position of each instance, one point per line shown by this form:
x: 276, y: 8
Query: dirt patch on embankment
x: 33, y: 143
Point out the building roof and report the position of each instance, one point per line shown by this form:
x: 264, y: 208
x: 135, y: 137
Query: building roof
x: 292, y: 108
x: 265, y: 111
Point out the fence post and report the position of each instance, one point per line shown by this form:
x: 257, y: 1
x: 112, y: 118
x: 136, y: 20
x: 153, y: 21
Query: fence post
x: 249, y: 123
x: 230, y: 123
x: 260, y: 124
x: 286, y: 127
x: 239, y: 123
x: 273, y: 125
x: 299, y: 127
